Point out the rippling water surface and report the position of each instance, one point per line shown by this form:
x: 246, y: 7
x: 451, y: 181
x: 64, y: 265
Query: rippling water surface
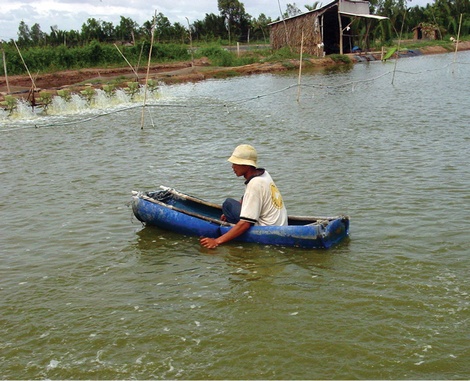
x: 87, y: 292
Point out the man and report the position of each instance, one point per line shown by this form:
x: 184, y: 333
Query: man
x: 261, y: 204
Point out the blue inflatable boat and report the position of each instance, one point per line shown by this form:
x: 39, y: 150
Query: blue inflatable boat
x: 172, y: 210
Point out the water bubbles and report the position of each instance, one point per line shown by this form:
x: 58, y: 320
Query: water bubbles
x: 92, y: 100
x: 24, y: 110
x: 53, y: 364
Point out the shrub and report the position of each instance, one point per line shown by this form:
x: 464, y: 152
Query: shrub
x: 340, y: 58
x: 217, y: 55
x: 281, y: 54
x: 63, y: 58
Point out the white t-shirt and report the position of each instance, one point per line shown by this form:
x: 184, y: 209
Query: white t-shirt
x: 262, y: 202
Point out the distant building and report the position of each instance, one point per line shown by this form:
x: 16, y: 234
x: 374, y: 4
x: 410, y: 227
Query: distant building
x: 325, y: 30
x: 425, y: 31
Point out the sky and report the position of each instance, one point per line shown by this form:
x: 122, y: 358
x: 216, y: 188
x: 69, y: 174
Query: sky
x: 71, y: 14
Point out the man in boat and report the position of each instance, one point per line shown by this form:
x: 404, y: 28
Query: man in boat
x: 261, y: 204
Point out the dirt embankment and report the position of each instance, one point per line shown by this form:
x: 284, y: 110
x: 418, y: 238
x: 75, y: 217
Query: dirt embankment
x: 76, y: 80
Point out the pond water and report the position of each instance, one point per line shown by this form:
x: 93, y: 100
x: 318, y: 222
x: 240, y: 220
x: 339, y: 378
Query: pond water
x: 87, y: 292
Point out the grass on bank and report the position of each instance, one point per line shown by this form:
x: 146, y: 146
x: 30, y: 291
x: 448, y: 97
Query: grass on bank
x: 94, y: 55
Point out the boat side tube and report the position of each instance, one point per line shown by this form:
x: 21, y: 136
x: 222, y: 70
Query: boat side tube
x: 158, y: 214
x: 335, y: 231
x: 297, y: 236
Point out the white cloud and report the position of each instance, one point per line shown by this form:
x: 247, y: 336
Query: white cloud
x: 71, y: 14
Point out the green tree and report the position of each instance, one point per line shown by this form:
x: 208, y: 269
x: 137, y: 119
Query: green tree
x: 146, y: 29
x: 24, y: 34
x: 73, y: 38
x: 38, y: 37
x: 179, y: 33
x: 237, y: 21
x: 212, y: 27
x: 127, y: 29
x: 57, y: 36
x: 260, y: 25
x: 91, y: 30
x: 109, y: 33
x: 395, y: 11
x: 414, y: 16
x: 163, y: 29
x: 446, y: 14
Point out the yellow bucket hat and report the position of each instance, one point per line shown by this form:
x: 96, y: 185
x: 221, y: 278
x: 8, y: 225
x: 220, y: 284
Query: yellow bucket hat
x: 244, y: 154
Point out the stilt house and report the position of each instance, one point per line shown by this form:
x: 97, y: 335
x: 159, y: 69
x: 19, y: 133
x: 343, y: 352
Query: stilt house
x: 325, y: 30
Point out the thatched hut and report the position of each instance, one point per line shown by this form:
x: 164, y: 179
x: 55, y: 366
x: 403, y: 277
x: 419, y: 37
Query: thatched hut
x: 425, y: 31
x: 325, y: 30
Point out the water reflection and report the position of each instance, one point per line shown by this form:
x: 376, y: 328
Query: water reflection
x: 243, y: 261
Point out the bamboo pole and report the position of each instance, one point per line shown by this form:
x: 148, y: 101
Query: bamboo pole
x: 457, y: 42
x: 398, y: 49
x: 5, y: 69
x: 340, y: 33
x: 285, y: 26
x: 140, y: 57
x: 300, y: 65
x: 125, y: 59
x: 190, y: 42
x: 148, y: 71
x: 26, y: 66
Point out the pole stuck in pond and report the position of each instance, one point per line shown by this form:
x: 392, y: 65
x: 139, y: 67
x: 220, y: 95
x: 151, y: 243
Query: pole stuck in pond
x: 457, y: 42
x: 148, y: 69
x: 5, y: 68
x: 285, y: 26
x: 125, y: 59
x: 190, y: 42
x: 398, y: 48
x: 26, y: 66
x: 300, y: 65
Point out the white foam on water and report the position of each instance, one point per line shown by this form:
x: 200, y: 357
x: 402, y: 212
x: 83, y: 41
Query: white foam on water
x: 76, y: 104
x: 53, y: 364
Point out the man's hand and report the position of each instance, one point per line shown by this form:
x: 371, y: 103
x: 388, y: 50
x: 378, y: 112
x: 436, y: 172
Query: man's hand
x: 240, y: 228
x: 209, y: 243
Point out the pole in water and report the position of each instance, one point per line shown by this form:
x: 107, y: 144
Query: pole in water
x: 26, y: 66
x: 300, y: 65
x: 398, y: 49
x: 5, y: 68
x: 190, y: 42
x: 125, y: 59
x: 457, y: 42
x: 148, y: 70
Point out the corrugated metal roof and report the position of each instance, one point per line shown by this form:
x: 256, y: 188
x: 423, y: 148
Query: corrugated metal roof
x: 364, y: 15
x: 329, y: 5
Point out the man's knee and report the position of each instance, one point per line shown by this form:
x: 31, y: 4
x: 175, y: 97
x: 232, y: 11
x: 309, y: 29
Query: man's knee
x: 231, y: 209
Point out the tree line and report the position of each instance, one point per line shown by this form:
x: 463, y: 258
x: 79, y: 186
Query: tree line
x: 234, y: 24
x: 443, y: 15
x: 102, y: 43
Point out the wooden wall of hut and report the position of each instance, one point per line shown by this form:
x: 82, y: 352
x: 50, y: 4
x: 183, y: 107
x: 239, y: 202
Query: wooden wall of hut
x: 289, y: 33
x: 425, y: 32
